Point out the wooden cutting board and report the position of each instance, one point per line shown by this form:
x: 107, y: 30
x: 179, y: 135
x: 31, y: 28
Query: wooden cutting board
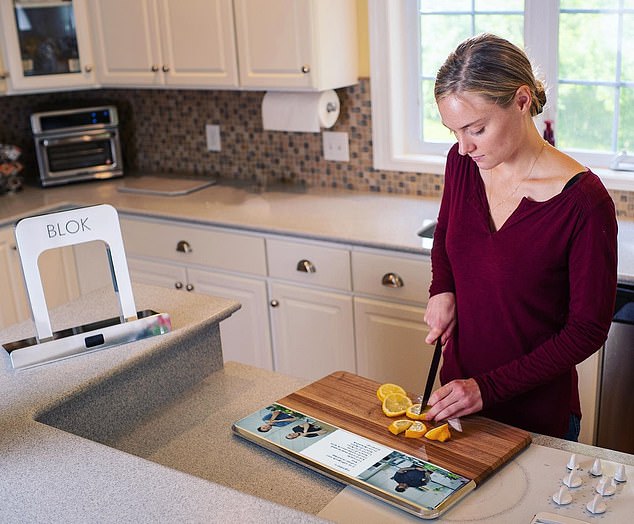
x: 349, y: 401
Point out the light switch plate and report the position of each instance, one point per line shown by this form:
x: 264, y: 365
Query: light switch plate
x: 336, y: 146
x: 213, y: 137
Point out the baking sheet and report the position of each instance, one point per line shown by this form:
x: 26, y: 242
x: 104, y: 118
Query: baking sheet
x: 165, y: 186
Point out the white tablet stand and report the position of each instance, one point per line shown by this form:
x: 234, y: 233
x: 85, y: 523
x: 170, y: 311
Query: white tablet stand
x: 34, y: 235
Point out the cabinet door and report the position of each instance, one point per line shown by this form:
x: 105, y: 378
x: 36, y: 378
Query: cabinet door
x: 391, y: 344
x: 13, y: 304
x: 157, y: 273
x: 275, y: 43
x: 312, y: 331
x: 47, y: 45
x: 126, y: 42
x: 246, y: 336
x: 197, y: 43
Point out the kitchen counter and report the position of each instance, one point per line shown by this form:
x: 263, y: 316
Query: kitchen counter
x: 154, y: 418
x: 357, y: 218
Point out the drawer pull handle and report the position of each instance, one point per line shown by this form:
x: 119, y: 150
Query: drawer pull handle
x: 274, y: 303
x: 178, y: 285
x: 306, y: 266
x: 305, y: 69
x: 166, y: 69
x: 189, y: 287
x: 392, y: 280
x: 154, y: 68
x: 183, y: 247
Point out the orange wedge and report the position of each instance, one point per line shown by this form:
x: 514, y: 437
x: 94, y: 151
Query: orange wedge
x: 398, y: 426
x: 385, y: 389
x: 412, y: 412
x: 441, y: 433
x: 416, y: 430
x: 396, y: 404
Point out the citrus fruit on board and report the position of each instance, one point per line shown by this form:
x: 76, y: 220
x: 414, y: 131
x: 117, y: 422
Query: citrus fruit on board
x: 441, y: 433
x: 395, y: 404
x: 412, y: 412
x: 398, y: 426
x: 385, y: 389
x: 417, y: 429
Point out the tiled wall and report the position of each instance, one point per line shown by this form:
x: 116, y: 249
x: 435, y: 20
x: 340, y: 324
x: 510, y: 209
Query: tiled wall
x: 163, y: 131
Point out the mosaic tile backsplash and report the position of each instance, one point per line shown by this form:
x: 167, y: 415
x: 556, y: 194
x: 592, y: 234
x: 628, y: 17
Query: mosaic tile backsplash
x: 163, y: 131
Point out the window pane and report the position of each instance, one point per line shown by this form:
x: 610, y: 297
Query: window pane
x: 587, y: 46
x: 433, y: 130
x: 589, y: 4
x: 627, y: 68
x: 510, y: 27
x: 585, y: 117
x: 433, y: 6
x: 499, y: 5
x: 626, y: 122
x: 439, y: 36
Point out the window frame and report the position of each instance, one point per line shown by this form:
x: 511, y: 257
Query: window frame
x: 393, y: 32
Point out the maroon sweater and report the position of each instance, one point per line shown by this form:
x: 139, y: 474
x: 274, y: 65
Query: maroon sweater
x: 533, y: 299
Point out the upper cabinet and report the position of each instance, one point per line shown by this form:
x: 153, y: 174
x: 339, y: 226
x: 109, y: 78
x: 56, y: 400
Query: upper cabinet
x: 277, y: 44
x: 180, y: 43
x: 296, y: 44
x: 46, y: 45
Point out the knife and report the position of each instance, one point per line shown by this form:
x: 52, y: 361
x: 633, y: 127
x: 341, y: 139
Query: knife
x: 431, y: 377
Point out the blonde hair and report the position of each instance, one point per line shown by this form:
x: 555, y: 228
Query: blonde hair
x: 491, y: 67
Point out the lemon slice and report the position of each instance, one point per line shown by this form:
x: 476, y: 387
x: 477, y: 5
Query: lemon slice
x: 395, y: 404
x: 412, y: 412
x: 385, y: 389
x: 417, y: 429
x: 441, y: 433
x: 398, y: 426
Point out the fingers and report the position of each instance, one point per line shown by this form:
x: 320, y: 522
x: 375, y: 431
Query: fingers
x: 455, y: 399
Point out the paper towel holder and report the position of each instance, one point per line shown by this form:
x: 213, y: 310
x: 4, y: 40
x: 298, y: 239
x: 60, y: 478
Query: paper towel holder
x: 37, y: 234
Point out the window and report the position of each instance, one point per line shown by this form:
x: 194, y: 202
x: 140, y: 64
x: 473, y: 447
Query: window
x: 577, y: 47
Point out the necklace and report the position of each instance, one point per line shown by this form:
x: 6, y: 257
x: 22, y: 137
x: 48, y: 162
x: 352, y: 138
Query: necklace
x: 512, y: 193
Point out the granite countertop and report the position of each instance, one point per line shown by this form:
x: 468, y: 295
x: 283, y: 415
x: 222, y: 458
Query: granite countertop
x: 371, y: 220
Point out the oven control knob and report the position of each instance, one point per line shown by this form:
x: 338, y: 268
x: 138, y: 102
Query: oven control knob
x: 563, y: 496
x: 606, y: 486
x: 572, y: 480
x: 596, y: 505
x: 596, y: 470
x: 620, y: 475
x: 572, y: 462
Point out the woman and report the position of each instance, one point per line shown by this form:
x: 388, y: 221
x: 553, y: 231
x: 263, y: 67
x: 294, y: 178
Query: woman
x: 524, y: 255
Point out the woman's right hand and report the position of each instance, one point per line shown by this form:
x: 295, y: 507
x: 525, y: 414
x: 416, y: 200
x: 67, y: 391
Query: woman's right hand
x: 440, y: 316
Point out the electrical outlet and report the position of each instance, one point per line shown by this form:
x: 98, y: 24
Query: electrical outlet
x: 213, y: 137
x: 336, y: 146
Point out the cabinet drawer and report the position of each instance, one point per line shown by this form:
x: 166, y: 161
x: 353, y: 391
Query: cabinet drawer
x: 400, y: 278
x: 195, y: 245
x: 309, y: 263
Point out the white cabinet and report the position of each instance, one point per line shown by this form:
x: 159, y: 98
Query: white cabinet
x: 390, y: 293
x: 179, y: 43
x: 312, y: 331
x: 212, y: 262
x: 46, y: 46
x: 296, y: 44
x: 13, y: 304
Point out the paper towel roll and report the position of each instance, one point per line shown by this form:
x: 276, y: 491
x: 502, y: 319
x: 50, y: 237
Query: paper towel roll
x: 305, y: 112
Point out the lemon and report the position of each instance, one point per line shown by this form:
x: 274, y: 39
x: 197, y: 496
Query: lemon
x: 441, y: 433
x: 417, y: 429
x: 412, y: 412
x: 385, y: 389
x: 396, y: 404
x: 398, y: 426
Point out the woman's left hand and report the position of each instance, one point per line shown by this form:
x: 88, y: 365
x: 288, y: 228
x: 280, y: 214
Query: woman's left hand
x: 455, y: 399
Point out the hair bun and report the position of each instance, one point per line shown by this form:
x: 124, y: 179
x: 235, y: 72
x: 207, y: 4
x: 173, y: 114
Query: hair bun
x: 539, y: 98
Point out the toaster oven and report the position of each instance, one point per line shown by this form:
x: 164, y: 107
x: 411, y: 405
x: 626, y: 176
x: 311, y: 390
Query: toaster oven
x: 77, y: 144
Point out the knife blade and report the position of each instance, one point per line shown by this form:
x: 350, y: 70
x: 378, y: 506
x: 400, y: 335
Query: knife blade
x: 431, y: 376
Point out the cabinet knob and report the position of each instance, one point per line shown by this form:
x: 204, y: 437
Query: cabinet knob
x: 189, y: 287
x: 183, y: 247
x: 88, y: 68
x: 4, y: 75
x: 154, y: 68
x: 392, y: 280
x: 178, y: 285
x: 14, y: 247
x: 274, y: 303
x: 305, y: 69
x: 166, y: 68
x: 306, y: 266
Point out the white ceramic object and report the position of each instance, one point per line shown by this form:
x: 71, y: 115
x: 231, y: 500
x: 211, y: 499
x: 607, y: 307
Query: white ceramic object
x: 572, y: 462
x: 620, y: 475
x: 597, y: 469
x: 606, y: 487
x: 596, y: 506
x: 572, y: 480
x: 562, y: 497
